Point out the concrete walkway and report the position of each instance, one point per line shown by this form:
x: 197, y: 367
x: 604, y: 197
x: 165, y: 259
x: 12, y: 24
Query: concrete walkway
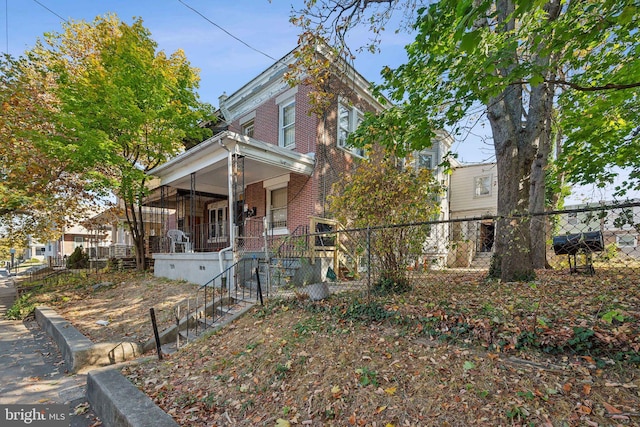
x: 32, y: 370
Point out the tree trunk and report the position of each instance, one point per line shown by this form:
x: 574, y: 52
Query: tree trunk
x: 536, y: 205
x: 513, y: 237
x: 135, y: 221
x: 537, y: 198
x: 518, y: 135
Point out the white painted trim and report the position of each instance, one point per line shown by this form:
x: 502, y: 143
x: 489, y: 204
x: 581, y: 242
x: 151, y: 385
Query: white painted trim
x: 286, y: 102
x: 248, y: 117
x: 284, y: 96
x: 277, y: 182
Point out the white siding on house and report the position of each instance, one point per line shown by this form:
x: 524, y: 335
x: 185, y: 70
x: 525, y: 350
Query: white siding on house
x: 466, y: 199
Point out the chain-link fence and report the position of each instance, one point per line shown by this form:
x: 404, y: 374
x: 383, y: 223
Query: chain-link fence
x: 600, y: 240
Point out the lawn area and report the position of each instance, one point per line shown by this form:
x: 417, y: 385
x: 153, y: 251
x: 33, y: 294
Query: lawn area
x: 456, y: 350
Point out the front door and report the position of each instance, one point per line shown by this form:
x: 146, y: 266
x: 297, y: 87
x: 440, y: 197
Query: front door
x: 486, y: 236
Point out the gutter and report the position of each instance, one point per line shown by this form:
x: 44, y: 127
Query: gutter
x: 231, y: 212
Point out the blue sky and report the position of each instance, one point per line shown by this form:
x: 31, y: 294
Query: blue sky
x: 225, y: 63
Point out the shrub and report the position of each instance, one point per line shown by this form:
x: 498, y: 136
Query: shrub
x: 78, y: 259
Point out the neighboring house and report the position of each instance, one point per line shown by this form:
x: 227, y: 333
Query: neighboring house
x: 34, y: 250
x: 267, y: 175
x: 619, y: 226
x: 93, y: 241
x: 473, y: 194
x: 112, y: 222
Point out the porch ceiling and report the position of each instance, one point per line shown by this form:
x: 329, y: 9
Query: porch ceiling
x: 209, y: 162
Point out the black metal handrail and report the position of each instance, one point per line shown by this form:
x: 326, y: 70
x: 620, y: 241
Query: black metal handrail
x: 223, y: 290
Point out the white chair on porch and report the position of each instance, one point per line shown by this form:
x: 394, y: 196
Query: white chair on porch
x: 178, y: 237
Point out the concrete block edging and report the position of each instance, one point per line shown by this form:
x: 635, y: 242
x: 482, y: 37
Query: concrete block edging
x: 114, y: 398
x: 119, y: 403
x: 78, y: 351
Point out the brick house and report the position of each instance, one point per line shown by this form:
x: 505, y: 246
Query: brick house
x: 267, y: 172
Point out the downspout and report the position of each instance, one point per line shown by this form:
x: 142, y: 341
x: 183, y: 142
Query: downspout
x: 231, y: 213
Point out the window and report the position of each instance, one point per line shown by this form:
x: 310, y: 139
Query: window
x: 626, y: 240
x: 78, y: 241
x: 425, y: 161
x: 572, y: 218
x: 348, y: 121
x: 247, y: 128
x: 218, y: 222
x: 288, y: 124
x: 277, y: 194
x: 278, y: 209
x: 482, y: 186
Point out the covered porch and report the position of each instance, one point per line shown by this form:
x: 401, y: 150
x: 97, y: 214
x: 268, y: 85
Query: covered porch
x: 210, y: 219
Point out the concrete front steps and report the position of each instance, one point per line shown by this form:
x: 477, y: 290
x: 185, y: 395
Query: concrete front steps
x: 204, y: 320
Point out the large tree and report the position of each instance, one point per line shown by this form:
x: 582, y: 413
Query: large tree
x: 124, y: 106
x: 38, y: 180
x: 514, y: 58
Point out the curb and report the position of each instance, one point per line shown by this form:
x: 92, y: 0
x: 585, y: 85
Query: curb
x: 113, y: 397
x: 119, y: 403
x: 78, y: 351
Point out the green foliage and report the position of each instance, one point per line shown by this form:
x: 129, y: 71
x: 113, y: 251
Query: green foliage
x: 610, y: 252
x: 367, y: 377
x: 78, y: 259
x: 387, y: 285
x: 123, y: 107
x: 21, y: 308
x: 37, y: 181
x: 582, y: 339
x: 371, y: 311
x: 612, y: 315
x: 379, y: 193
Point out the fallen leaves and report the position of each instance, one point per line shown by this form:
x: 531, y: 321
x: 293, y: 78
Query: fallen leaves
x: 461, y: 352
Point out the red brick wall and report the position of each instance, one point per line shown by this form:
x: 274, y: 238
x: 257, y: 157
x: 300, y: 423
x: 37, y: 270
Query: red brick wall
x: 266, y: 122
x: 318, y: 135
x: 332, y: 161
x: 256, y: 197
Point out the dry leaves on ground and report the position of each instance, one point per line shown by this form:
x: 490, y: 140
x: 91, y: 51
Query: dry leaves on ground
x: 460, y: 351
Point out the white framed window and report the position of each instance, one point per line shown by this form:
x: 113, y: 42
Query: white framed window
x: 626, y: 240
x: 482, y: 186
x: 277, y: 203
x: 349, y: 118
x: 572, y: 218
x: 278, y: 208
x: 287, y: 117
x: 218, y: 224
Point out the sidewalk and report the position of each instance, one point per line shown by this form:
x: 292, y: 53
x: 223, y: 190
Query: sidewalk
x: 32, y: 369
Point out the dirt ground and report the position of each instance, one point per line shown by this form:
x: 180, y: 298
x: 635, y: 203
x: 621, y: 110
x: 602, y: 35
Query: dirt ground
x: 122, y: 300
x: 454, y: 351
